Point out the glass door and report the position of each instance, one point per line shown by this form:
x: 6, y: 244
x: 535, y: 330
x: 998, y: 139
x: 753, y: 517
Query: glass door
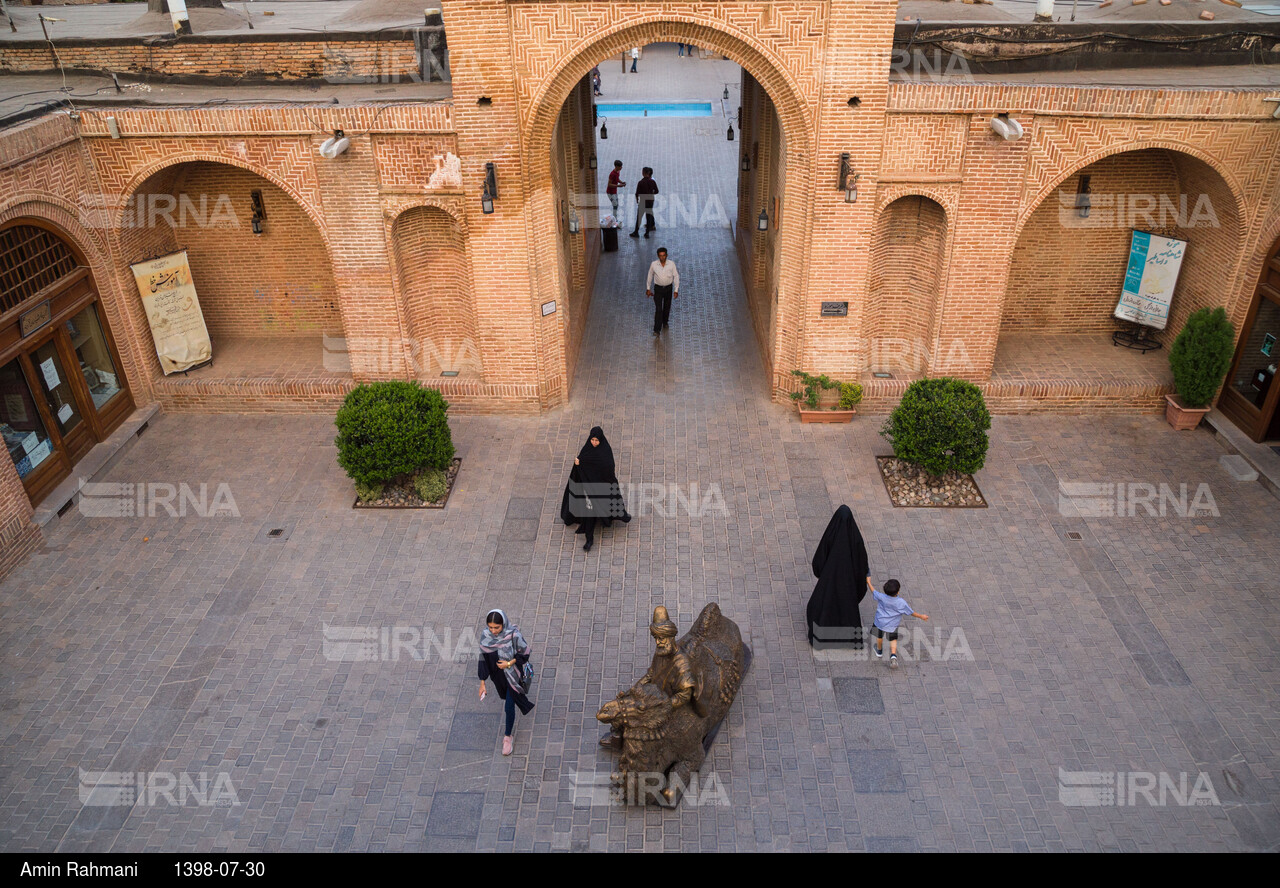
x: 60, y: 396
x: 37, y: 455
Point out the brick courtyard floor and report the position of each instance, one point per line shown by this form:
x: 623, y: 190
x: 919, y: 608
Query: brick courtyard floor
x: 198, y: 645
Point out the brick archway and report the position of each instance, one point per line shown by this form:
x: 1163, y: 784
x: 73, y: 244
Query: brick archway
x: 794, y: 109
x: 1179, y: 155
x: 97, y: 252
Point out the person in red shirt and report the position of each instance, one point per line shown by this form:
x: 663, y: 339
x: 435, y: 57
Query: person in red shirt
x: 615, y: 180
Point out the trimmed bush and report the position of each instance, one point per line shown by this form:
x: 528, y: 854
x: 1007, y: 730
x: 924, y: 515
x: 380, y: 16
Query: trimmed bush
x: 389, y: 429
x: 431, y: 484
x: 1201, y: 356
x: 941, y: 426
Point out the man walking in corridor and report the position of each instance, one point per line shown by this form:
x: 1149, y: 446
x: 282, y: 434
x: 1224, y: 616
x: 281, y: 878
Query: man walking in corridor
x: 662, y: 285
x: 646, y: 188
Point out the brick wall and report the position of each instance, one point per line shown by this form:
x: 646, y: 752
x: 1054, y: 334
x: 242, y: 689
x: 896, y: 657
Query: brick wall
x: 907, y: 270
x: 1067, y: 271
x: 278, y: 283
x: 435, y: 288
x: 339, y: 61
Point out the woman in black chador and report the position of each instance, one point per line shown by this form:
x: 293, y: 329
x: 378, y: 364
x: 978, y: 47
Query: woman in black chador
x: 840, y: 564
x: 593, y: 493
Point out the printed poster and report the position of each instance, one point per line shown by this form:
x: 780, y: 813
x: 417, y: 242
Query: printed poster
x: 173, y: 311
x: 1154, y: 262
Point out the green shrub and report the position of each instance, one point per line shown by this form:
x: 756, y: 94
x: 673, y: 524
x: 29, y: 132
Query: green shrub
x: 431, y: 484
x: 367, y: 493
x: 850, y: 395
x: 1201, y: 355
x: 850, y: 392
x: 940, y: 425
x: 388, y: 429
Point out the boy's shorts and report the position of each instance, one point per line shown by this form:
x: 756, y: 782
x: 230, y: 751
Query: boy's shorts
x: 880, y: 633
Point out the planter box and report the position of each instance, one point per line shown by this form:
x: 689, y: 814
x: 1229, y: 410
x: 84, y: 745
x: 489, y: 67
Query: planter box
x: 1183, y: 419
x: 451, y: 475
x: 826, y: 415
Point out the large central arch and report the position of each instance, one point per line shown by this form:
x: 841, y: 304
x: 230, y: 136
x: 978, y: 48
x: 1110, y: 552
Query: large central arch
x: 794, y: 113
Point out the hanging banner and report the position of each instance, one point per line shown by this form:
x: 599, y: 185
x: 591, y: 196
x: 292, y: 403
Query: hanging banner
x: 1154, y: 262
x: 173, y: 311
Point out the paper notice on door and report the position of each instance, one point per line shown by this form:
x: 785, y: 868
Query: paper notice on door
x: 16, y: 408
x: 64, y: 413
x: 50, y: 371
x: 39, y: 454
x: 30, y: 443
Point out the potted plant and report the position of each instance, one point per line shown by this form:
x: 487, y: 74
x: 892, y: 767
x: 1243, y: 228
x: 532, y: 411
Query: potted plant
x: 809, y: 400
x: 1199, y: 359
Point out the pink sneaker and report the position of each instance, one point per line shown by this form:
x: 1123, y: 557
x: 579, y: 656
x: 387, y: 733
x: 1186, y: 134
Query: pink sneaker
x: 507, y: 745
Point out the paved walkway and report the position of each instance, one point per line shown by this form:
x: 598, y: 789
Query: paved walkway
x: 206, y: 646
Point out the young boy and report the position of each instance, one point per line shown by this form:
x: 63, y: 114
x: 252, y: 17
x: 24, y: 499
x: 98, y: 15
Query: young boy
x: 890, y: 609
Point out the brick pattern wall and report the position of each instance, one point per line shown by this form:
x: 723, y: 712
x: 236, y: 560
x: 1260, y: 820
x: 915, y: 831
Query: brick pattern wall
x: 279, y: 283
x: 18, y: 535
x: 340, y: 61
x: 908, y: 256
x: 1067, y: 271
x: 435, y: 287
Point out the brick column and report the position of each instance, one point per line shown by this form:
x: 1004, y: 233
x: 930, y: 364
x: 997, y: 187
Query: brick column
x: 529, y: 347
x: 982, y: 247
x: 856, y: 62
x: 18, y: 536
x: 361, y: 261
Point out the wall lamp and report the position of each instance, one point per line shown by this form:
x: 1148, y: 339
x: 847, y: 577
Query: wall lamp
x: 746, y: 163
x: 762, y: 223
x: 1084, y: 203
x: 848, y: 179
x: 604, y: 128
x: 259, y: 211
x: 490, y: 192
x: 591, y: 162
x: 574, y: 225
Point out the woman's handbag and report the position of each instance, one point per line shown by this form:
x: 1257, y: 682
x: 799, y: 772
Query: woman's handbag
x: 526, y: 678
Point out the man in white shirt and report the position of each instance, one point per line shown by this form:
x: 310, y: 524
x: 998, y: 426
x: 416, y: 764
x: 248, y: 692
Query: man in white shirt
x: 635, y: 57
x: 662, y: 285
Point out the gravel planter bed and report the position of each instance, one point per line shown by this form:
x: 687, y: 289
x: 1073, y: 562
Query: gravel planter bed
x: 403, y: 496
x: 908, y: 486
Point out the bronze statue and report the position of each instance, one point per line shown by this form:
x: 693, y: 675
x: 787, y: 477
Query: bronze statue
x: 665, y: 723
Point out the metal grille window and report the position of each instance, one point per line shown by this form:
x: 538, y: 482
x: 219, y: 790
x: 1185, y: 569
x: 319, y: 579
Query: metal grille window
x: 30, y: 260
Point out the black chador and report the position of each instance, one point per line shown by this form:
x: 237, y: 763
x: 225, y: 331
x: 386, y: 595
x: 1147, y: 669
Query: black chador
x: 840, y: 564
x: 593, y: 493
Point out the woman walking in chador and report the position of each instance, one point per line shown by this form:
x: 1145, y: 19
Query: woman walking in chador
x: 593, y: 493
x: 503, y: 655
x: 840, y: 564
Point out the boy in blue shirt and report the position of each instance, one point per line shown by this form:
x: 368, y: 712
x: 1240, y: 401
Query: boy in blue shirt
x: 890, y: 609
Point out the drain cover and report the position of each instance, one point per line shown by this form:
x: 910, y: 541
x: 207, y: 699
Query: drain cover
x: 1072, y: 535
x: 275, y: 532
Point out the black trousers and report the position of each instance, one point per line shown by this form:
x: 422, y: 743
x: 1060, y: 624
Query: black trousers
x: 661, y: 305
x: 645, y: 208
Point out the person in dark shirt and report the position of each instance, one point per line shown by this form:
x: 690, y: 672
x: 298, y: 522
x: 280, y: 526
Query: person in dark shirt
x: 646, y: 188
x: 615, y: 181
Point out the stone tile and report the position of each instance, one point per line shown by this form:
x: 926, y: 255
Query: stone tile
x: 858, y: 695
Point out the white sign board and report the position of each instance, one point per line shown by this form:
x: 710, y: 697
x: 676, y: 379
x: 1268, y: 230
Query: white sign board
x: 1154, y: 262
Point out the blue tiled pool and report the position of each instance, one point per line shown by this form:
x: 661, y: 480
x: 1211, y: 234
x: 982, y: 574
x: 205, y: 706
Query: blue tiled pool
x: 655, y: 109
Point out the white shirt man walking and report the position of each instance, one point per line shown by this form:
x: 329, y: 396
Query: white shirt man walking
x: 662, y: 285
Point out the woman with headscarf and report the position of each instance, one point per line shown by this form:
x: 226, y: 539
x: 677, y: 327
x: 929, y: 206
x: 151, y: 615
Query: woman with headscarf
x: 503, y: 653
x: 593, y: 492
x: 840, y: 564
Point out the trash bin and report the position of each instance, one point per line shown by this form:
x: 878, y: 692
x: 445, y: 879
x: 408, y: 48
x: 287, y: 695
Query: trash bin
x: 609, y: 237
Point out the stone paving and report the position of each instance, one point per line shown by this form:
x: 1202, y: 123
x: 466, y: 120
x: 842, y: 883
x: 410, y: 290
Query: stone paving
x: 298, y: 665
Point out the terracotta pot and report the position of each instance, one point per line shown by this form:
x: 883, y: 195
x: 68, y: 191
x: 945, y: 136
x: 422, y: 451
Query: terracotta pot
x: 826, y: 415
x: 1183, y: 419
